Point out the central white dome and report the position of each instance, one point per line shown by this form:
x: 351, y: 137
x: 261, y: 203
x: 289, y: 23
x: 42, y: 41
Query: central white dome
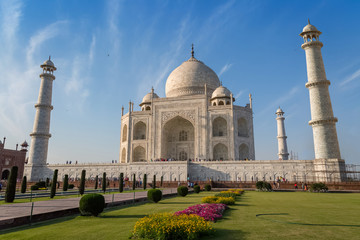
x: 190, y: 79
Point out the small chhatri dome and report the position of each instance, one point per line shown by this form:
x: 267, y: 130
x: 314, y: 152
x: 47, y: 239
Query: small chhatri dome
x: 309, y: 28
x: 24, y: 144
x: 221, y: 92
x: 279, y: 111
x: 149, y: 96
x: 48, y: 64
x: 190, y: 78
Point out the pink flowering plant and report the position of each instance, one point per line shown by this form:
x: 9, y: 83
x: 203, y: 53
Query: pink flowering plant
x: 208, y: 211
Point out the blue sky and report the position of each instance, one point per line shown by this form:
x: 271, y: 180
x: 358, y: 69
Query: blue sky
x: 108, y: 52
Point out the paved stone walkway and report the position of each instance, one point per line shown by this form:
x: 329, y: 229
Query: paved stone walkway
x: 9, y: 212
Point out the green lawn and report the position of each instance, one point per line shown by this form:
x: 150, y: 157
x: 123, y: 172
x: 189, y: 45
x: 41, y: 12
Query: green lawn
x: 295, y: 215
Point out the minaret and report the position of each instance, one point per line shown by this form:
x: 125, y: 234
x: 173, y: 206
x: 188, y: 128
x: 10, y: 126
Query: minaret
x: 322, y: 118
x: 40, y: 135
x: 282, y: 145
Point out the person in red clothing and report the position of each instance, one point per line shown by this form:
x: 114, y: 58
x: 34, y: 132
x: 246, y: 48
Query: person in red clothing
x: 296, y: 187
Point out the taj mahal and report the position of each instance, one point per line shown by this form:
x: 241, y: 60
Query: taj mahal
x: 197, y: 133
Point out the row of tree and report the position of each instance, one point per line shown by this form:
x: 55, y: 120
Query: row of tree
x: 11, y: 184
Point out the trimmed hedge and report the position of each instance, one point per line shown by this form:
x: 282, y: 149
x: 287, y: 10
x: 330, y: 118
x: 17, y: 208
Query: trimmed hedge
x: 103, y: 186
x: 145, y: 181
x: 154, y: 182
x: 66, y: 183
x: 182, y: 191
x: 71, y: 186
x: 318, y: 187
x: 207, y: 187
x: 96, y: 181
x: 54, y: 183
x: 134, y: 182
x: 11, y: 185
x: 23, y: 185
x: 82, y: 182
x: 196, y: 188
x: 92, y: 204
x: 121, y: 183
x: 154, y: 195
x: 263, y: 186
x: 34, y: 187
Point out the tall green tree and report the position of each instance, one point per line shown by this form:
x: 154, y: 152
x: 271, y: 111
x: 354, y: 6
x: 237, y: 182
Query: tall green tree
x: 121, y: 183
x: 66, y: 183
x: 104, y: 182
x: 54, y: 183
x: 23, y: 185
x: 82, y: 182
x: 145, y: 181
x: 96, y: 182
x: 11, y: 185
x: 134, y: 182
x: 154, y: 182
x: 47, y: 182
x: 161, y: 181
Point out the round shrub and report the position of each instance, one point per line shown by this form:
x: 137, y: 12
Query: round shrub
x: 318, y: 187
x: 34, y: 187
x: 91, y: 204
x: 71, y: 186
x: 154, y: 195
x: 207, y: 187
x: 182, y: 191
x: 196, y: 188
x: 263, y: 186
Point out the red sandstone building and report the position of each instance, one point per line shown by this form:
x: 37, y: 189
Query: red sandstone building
x: 10, y: 158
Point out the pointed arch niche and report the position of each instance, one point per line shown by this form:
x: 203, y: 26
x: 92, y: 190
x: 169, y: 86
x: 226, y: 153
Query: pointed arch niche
x: 219, y: 127
x: 140, y: 131
x: 242, y: 128
x: 220, y: 152
x: 123, y: 155
x: 177, y: 139
x: 243, y: 152
x: 124, y: 133
x: 139, y: 154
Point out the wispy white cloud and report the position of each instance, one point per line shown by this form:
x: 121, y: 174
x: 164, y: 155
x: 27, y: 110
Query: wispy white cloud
x: 92, y: 50
x: 225, y: 68
x: 11, y: 12
x: 352, y: 77
x: 41, y: 36
x: 113, y: 9
x: 240, y: 93
x: 279, y: 101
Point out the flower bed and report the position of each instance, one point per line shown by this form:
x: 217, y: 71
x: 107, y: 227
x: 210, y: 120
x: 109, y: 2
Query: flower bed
x: 226, y: 194
x: 171, y: 226
x: 208, y: 211
x: 214, y: 199
x: 238, y: 192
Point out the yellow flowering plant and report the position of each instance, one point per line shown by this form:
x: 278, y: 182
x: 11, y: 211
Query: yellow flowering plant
x: 169, y: 226
x: 216, y: 199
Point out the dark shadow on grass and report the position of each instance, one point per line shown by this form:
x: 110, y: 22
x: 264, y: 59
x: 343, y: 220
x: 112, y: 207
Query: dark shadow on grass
x: 226, y: 234
x: 298, y: 223
x: 122, y: 216
x: 39, y: 224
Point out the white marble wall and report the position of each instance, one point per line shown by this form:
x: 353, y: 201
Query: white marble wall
x: 330, y: 170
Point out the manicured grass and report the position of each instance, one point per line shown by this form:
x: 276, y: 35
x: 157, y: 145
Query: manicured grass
x: 326, y: 215
x: 116, y: 223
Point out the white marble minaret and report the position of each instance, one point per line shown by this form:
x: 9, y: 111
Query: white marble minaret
x: 322, y: 118
x: 40, y: 135
x: 282, y: 145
